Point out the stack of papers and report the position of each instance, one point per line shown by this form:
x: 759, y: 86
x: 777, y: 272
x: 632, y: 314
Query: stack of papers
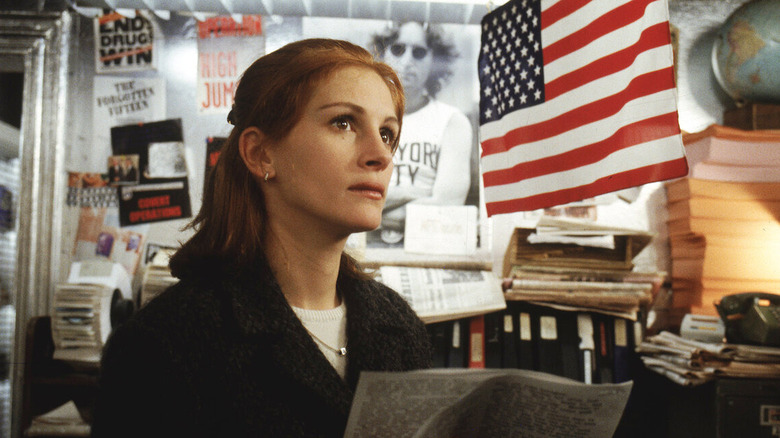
x: 62, y: 421
x: 690, y: 363
x: 81, y: 320
x: 157, y: 276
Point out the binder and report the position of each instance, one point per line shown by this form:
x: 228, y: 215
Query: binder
x: 603, y: 328
x: 457, y: 356
x: 509, y: 354
x: 587, y: 346
x: 526, y: 348
x: 439, y: 334
x: 548, y: 344
x: 477, y: 342
x: 494, y: 322
x: 623, y: 332
x: 569, y: 341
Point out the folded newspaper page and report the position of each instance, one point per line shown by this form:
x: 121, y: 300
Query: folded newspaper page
x: 445, y: 294
x: 471, y: 403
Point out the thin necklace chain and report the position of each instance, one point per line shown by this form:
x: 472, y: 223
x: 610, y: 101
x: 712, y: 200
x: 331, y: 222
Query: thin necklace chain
x: 340, y: 351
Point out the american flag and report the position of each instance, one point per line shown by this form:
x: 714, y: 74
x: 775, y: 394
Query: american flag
x: 577, y: 99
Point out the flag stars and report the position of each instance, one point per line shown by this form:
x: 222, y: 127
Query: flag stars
x: 511, y: 60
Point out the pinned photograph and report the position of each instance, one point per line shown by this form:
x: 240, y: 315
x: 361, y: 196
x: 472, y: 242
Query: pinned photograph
x: 167, y: 160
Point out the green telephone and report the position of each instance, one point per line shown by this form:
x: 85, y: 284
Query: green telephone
x: 751, y: 318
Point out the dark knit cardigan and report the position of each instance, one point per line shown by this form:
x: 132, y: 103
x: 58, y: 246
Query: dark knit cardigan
x: 221, y: 354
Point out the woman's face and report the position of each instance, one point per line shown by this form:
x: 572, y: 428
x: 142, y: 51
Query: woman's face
x: 333, y: 169
x: 410, y: 57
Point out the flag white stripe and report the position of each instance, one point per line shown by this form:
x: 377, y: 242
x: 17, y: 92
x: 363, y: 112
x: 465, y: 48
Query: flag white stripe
x: 650, y: 153
x: 577, y: 19
x: 606, y: 45
x: 656, y: 104
x: 593, y: 91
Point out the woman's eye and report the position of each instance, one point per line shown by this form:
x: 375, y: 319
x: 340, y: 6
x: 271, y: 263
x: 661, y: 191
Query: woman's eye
x: 388, y: 136
x: 343, y: 123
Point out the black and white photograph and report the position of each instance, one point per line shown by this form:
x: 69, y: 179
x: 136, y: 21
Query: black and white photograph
x: 437, y: 161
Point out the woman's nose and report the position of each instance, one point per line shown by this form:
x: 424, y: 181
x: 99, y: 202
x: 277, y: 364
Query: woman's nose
x: 377, y: 154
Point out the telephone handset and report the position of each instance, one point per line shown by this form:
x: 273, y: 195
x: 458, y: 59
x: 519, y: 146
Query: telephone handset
x: 751, y: 318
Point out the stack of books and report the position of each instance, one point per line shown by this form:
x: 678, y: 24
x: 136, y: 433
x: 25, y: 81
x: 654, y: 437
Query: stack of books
x: 579, y: 263
x: 724, y: 218
x: 157, y: 276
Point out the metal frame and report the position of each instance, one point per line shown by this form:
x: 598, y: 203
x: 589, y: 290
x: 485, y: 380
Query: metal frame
x: 39, y: 40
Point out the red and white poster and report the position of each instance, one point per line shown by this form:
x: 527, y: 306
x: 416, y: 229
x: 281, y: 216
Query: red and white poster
x: 226, y: 47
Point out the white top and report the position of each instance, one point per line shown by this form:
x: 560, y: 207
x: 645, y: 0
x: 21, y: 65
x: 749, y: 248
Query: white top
x: 328, y: 328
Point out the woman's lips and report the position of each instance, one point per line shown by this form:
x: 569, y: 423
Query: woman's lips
x: 369, y: 190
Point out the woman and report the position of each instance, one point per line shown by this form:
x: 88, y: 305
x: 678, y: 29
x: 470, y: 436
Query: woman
x: 433, y: 162
x: 271, y: 324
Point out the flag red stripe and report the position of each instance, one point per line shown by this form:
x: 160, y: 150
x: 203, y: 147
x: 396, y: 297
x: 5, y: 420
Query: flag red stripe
x: 561, y: 10
x: 642, y: 85
x: 609, y: 22
x: 642, y: 131
x: 652, y: 37
x: 610, y: 183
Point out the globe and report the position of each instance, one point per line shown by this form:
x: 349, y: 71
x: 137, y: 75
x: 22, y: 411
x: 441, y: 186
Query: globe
x: 746, y: 53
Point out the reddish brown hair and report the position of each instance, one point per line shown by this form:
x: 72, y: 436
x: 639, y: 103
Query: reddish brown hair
x: 271, y: 96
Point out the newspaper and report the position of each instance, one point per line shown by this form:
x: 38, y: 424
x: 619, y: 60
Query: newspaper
x: 689, y: 362
x: 445, y: 294
x: 467, y: 403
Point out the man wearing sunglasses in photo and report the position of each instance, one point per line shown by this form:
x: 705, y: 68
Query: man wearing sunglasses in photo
x: 432, y: 163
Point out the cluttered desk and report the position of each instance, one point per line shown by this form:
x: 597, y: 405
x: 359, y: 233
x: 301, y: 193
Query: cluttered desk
x: 725, y: 370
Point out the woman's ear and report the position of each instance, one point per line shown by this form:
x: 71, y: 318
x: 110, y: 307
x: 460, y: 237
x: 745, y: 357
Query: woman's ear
x: 252, y: 145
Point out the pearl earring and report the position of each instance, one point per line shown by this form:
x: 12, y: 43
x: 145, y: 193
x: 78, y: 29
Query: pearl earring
x: 265, y: 178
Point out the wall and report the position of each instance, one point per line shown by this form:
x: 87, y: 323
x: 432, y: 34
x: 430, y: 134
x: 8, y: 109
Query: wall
x: 701, y: 103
